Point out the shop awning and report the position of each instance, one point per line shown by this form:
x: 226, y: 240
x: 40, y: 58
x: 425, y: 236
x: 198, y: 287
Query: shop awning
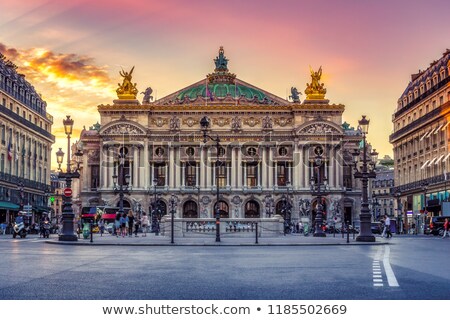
x: 423, y: 137
x: 6, y: 205
x: 431, y: 162
x: 423, y: 166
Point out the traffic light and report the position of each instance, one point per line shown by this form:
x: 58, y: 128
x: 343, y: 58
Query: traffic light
x: 52, y: 199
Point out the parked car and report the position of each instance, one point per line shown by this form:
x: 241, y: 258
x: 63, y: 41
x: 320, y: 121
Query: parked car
x: 376, y: 227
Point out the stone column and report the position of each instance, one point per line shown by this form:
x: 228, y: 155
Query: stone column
x: 306, y: 167
x: 208, y: 171
x: 135, y: 181
x: 332, y: 174
x: 233, y: 168
x: 87, y: 170
x: 264, y: 167
x: 147, y: 172
x: 245, y: 174
x: 239, y: 169
x: 202, y: 168
x: 171, y: 170
x: 177, y: 169
x: 301, y: 168
x: 276, y: 173
x: 270, y: 168
x: 183, y: 174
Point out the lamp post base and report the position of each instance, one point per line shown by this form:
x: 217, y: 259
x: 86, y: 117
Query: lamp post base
x: 68, y: 237
x: 365, y: 238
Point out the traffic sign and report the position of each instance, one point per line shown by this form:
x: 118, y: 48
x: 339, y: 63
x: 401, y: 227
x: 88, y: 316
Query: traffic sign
x: 27, y: 207
x: 68, y: 192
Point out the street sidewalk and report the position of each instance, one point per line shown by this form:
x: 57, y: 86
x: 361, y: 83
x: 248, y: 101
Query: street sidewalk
x: 225, y: 240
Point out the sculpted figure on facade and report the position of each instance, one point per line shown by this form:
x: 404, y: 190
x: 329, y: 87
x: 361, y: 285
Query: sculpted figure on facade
x: 127, y: 90
x: 315, y: 89
x: 174, y: 123
x: 267, y: 122
x: 236, y: 123
x: 295, y: 95
x: 147, y: 95
x: 304, y: 206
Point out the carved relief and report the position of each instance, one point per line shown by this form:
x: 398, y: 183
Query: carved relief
x: 236, y: 123
x: 190, y: 121
x: 282, y: 122
x: 159, y: 122
x: 123, y: 129
x: 318, y: 128
x: 251, y: 122
x: 267, y: 123
x: 175, y: 123
x: 221, y: 121
x: 93, y: 155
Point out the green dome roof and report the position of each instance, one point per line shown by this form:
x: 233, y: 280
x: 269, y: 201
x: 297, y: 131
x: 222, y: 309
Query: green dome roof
x: 221, y: 90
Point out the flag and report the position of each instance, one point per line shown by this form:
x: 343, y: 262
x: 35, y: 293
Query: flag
x: 9, y: 152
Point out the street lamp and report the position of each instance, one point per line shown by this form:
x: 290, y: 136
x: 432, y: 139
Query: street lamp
x: 317, y: 181
x: 365, y: 173
x: 269, y: 205
x: 398, y: 194
x: 121, y: 182
x: 173, y: 208
x: 424, y: 190
x: 155, y: 205
x: 67, y: 233
x: 205, y: 123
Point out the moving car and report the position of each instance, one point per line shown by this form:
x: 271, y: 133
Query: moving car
x: 376, y: 227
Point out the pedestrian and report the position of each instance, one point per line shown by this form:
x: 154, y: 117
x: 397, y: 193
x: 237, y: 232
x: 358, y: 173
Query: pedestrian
x: 130, y: 223
x: 144, y: 222
x: 387, y: 223
x: 101, y: 226
x: 383, y: 234
x: 123, y: 225
x: 3, y: 228
x: 117, y: 225
x: 445, y: 228
x: 137, y: 223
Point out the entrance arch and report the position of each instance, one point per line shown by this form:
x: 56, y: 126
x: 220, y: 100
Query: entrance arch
x: 251, y: 209
x: 190, y: 209
x: 126, y: 204
x: 284, y: 208
x: 223, y: 209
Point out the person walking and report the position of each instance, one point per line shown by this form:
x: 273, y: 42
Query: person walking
x: 144, y: 222
x: 130, y: 223
x: 387, y: 224
x: 445, y: 228
x: 123, y: 225
x: 117, y: 225
x: 101, y: 226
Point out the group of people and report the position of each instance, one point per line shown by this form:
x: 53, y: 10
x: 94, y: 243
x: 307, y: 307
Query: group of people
x: 126, y: 224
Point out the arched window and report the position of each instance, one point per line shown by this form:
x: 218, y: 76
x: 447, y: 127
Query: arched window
x: 223, y: 209
x: 252, y: 209
x: 190, y: 209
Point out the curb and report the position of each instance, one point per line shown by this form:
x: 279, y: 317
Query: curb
x: 76, y: 243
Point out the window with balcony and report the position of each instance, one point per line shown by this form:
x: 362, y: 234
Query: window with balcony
x: 190, y: 174
x: 160, y: 174
x: 95, y: 177
x: 252, y: 174
x: 222, y: 174
x: 282, y: 174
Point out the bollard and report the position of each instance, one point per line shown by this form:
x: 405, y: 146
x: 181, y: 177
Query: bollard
x: 348, y: 232
x: 334, y: 231
x: 353, y: 233
x: 92, y: 236
x: 256, y: 233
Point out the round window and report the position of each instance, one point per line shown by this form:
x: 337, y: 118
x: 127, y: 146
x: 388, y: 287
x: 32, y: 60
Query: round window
x: 159, y: 152
x: 190, y: 151
x: 251, y: 151
x: 282, y: 151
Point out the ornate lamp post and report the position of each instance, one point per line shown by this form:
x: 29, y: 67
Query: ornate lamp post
x: 424, y: 190
x: 121, y: 182
x: 205, y: 123
x: 269, y: 205
x: 317, y: 181
x: 397, y: 195
x: 365, y: 173
x: 20, y: 188
x: 173, y: 208
x: 155, y: 205
x: 67, y: 233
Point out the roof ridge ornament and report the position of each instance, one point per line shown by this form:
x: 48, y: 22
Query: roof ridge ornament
x: 221, y: 73
x: 127, y: 90
x: 315, y: 89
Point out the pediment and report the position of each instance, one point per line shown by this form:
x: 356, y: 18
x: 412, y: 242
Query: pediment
x: 122, y: 128
x: 319, y: 128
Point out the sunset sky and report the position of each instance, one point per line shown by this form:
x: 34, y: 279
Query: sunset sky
x: 72, y: 51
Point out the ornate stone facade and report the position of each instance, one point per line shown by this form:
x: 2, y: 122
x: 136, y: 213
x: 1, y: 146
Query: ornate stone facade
x: 266, y: 149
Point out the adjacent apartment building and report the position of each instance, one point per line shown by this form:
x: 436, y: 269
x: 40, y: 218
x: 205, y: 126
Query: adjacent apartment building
x: 421, y: 142
x: 25, y: 145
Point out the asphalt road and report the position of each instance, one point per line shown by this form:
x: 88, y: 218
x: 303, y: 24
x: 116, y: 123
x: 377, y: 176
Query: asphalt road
x: 408, y: 268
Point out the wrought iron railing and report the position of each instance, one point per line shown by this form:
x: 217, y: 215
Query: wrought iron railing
x: 415, y: 124
x: 419, y: 184
x: 26, y: 182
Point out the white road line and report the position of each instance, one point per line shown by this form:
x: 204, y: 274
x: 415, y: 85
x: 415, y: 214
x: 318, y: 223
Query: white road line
x: 392, y: 280
x: 377, y: 284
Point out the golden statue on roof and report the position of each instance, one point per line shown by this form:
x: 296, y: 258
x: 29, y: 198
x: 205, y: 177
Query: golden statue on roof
x: 127, y: 90
x: 315, y: 89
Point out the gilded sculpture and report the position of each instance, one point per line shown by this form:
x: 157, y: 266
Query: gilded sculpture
x: 127, y: 90
x: 315, y: 89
